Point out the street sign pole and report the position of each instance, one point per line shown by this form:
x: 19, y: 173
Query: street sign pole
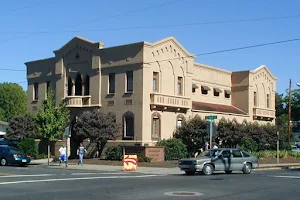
x: 210, y: 135
x: 67, y: 133
x: 210, y: 118
x: 277, y: 148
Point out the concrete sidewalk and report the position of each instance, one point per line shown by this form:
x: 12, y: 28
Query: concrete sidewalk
x: 146, y: 170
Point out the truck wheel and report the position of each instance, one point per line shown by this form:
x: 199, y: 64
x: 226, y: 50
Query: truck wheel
x: 208, y: 169
x: 247, y: 168
x: 3, y: 162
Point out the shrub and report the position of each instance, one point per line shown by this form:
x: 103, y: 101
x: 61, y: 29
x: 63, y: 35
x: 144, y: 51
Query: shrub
x: 114, y: 153
x: 249, y: 144
x: 41, y: 156
x: 174, y: 148
x: 29, y: 147
x: 144, y: 159
x: 285, y: 146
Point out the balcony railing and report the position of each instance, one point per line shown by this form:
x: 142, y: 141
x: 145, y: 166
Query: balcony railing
x: 263, y: 112
x: 78, y: 101
x: 166, y: 101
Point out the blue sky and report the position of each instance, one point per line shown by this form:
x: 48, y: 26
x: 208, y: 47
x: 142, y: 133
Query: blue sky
x: 62, y: 20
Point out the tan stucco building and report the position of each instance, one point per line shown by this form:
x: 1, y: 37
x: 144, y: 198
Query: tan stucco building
x: 151, y: 87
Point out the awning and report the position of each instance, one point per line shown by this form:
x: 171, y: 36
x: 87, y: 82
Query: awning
x: 216, y: 108
x: 195, y: 86
x: 227, y: 91
x: 204, y: 87
x: 218, y: 90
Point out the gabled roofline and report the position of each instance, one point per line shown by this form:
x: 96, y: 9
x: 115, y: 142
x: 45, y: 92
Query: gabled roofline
x: 266, y: 68
x: 100, y: 44
x: 171, y: 38
x: 40, y: 60
x: 212, y: 67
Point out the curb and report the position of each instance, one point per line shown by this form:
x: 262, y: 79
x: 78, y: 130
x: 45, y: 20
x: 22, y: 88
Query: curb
x: 276, y: 168
x: 119, y: 170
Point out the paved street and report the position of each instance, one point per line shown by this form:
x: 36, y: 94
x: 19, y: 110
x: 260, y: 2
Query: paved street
x: 44, y: 183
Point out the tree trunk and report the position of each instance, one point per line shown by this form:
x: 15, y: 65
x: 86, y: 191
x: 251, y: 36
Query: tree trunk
x: 98, y: 148
x: 48, y: 152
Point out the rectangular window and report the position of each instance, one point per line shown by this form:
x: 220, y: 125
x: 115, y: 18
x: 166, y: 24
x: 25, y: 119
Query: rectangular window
x: 111, y: 83
x: 179, y: 122
x: 216, y: 93
x: 179, y: 86
x: 227, y: 94
x: 204, y: 90
x: 255, y: 98
x: 129, y: 127
x: 155, y: 81
x: 268, y: 101
x: 155, y: 127
x: 36, y: 91
x: 129, y: 84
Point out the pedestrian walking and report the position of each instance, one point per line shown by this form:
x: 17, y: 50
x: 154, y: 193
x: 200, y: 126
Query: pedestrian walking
x: 80, y: 152
x: 62, y: 150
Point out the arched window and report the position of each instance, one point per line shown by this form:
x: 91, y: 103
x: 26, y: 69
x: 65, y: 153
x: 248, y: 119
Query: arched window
x: 78, y: 85
x: 179, y: 120
x: 156, y: 126
x: 128, y: 126
x: 70, y: 86
x: 87, y: 85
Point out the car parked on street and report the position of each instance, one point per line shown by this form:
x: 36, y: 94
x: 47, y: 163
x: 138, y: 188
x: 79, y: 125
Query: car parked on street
x: 221, y: 159
x: 12, y: 156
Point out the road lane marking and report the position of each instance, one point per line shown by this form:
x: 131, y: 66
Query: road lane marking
x: 87, y: 173
x: 26, y: 175
x: 293, y: 177
x: 82, y: 178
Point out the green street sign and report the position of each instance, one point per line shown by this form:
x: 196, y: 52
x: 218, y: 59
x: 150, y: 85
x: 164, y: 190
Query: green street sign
x: 211, y: 117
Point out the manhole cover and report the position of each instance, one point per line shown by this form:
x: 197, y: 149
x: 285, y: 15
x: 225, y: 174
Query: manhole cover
x: 182, y: 193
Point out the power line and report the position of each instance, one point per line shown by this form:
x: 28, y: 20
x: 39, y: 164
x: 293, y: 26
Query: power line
x: 97, y: 19
x: 209, y: 53
x: 165, y: 26
x: 233, y: 49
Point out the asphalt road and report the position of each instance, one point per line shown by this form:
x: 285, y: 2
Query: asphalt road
x: 44, y: 183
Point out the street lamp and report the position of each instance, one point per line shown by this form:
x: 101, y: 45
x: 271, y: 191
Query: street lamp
x: 298, y: 84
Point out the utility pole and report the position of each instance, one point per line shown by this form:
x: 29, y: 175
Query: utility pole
x: 290, y: 110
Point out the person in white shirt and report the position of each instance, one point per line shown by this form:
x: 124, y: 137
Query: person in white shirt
x: 62, y: 150
x: 215, y: 146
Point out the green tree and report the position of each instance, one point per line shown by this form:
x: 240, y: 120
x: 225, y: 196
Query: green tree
x: 50, y: 121
x: 193, y: 134
x: 21, y: 127
x: 13, y: 101
x: 230, y: 132
x: 280, y: 105
x: 98, y: 127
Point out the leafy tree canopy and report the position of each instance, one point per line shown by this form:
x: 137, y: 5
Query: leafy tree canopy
x: 21, y: 127
x: 50, y: 121
x: 98, y: 127
x: 193, y: 133
x: 13, y: 101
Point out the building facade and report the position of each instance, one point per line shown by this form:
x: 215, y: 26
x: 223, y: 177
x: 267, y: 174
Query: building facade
x: 151, y: 87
